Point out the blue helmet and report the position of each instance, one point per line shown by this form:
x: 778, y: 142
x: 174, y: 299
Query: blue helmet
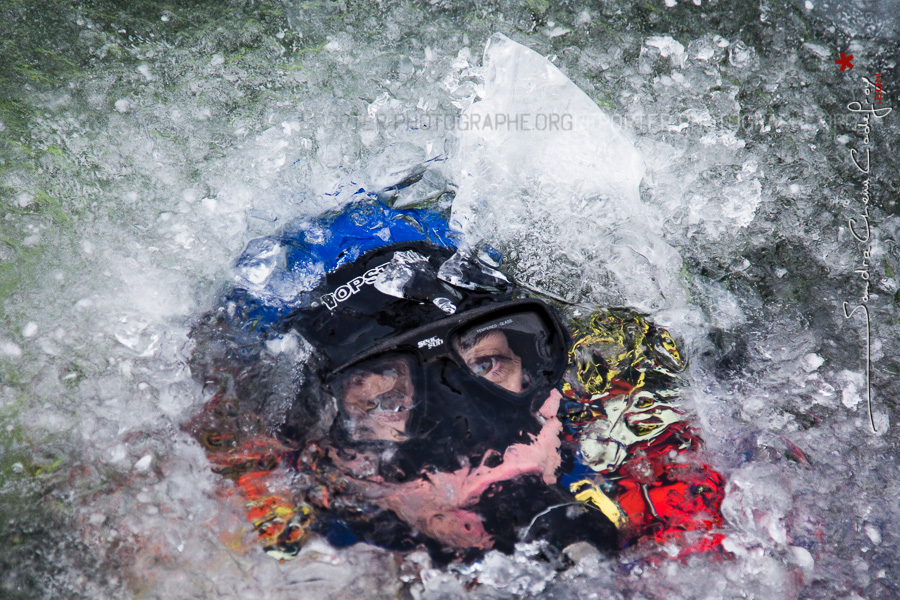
x: 274, y: 275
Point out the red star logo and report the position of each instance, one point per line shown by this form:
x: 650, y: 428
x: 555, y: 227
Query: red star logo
x: 844, y: 61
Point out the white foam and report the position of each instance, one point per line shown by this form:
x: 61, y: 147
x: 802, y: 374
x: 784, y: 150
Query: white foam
x: 142, y: 465
x: 10, y: 349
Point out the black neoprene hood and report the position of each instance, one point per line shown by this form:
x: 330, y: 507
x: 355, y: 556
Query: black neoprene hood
x: 350, y: 314
x: 399, y: 301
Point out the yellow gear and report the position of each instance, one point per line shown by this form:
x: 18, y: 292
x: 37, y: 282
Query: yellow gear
x: 608, y: 344
x: 589, y: 493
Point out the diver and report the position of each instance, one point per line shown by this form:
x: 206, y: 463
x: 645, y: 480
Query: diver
x: 438, y: 405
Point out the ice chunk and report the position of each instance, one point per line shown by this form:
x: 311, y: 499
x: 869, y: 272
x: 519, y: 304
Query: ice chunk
x: 802, y: 558
x: 445, y: 304
x: 144, y: 463
x: 852, y: 384
x: 812, y: 362
x: 533, y: 120
x: 462, y: 270
x: 668, y: 48
x: 258, y: 262
x: 24, y: 200
x: 741, y: 55
x: 817, y: 49
x: 490, y: 256
x: 514, y: 575
x: 546, y: 171
x: 394, y: 278
x: 130, y: 335
x: 10, y: 349
x: 396, y: 166
x: 552, y: 32
x: 873, y: 534
x: 410, y: 275
x: 290, y: 344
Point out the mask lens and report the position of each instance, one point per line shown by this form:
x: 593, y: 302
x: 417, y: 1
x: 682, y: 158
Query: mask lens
x: 376, y: 397
x: 514, y: 352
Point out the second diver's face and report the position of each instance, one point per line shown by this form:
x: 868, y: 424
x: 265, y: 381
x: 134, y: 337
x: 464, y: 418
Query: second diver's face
x: 377, y: 401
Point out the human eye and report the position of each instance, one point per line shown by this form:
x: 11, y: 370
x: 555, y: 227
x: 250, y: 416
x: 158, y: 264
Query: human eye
x: 489, y: 366
x: 392, y: 402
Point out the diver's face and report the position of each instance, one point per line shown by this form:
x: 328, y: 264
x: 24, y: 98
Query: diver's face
x: 377, y: 401
x: 491, y: 357
x: 377, y: 397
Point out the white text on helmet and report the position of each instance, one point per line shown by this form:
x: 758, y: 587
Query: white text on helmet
x: 345, y: 291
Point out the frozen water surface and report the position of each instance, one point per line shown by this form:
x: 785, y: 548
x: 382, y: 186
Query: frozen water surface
x: 142, y: 146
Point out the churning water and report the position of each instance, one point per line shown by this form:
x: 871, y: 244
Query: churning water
x: 143, y: 144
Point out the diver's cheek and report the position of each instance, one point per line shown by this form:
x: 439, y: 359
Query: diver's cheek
x: 382, y: 427
x: 458, y: 528
x: 548, y: 440
x: 390, y: 426
x: 511, y: 381
x: 551, y: 405
x: 541, y: 456
x: 433, y: 508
